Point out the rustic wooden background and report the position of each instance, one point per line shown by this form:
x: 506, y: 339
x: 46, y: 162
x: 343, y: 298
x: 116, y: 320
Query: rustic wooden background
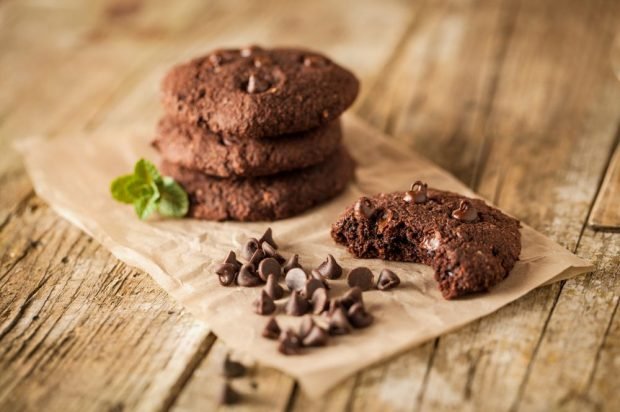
x: 517, y: 98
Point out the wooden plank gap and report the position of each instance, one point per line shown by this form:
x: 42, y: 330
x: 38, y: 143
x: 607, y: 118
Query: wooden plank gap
x: 427, y: 373
x: 605, y: 212
x: 599, y: 350
x: 521, y: 389
x: 290, y: 405
x: 175, y: 390
x: 18, y: 209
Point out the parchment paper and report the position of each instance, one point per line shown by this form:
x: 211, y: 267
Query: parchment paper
x: 73, y: 175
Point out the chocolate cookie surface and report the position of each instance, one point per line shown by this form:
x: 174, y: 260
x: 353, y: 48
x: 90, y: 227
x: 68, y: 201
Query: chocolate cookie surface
x: 196, y: 148
x: 470, y: 245
x: 255, y: 92
x: 263, y: 198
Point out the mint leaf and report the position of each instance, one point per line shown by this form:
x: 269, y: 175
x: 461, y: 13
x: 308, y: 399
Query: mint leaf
x: 139, y: 189
x: 146, y: 205
x: 120, y: 189
x: 173, y: 201
x: 146, y: 171
x: 148, y: 191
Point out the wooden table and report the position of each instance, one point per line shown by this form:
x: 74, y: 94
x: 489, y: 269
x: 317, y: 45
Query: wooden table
x: 517, y: 98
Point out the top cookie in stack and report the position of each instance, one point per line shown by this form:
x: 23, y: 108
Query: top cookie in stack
x: 254, y: 134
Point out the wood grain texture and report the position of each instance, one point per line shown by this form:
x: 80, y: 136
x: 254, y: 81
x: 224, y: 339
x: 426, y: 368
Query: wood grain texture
x: 562, y: 373
x: 80, y: 330
x: 516, y: 98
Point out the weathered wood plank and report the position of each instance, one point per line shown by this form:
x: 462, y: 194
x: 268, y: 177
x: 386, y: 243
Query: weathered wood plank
x: 562, y: 373
x: 606, y: 210
x: 81, y: 331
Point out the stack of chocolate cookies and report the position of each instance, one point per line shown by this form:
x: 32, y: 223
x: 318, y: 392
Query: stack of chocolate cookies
x: 254, y: 134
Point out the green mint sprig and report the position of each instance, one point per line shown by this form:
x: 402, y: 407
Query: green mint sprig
x: 147, y: 190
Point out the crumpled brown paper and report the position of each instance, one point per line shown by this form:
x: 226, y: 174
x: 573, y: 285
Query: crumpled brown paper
x: 73, y: 175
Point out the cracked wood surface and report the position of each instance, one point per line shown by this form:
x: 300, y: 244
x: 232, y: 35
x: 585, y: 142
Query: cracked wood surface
x: 517, y: 98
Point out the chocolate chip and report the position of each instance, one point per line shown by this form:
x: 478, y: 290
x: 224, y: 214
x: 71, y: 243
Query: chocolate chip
x: 316, y: 275
x: 232, y: 369
x: 289, y: 343
x: 216, y: 59
x: 249, y: 50
x: 315, y: 61
x: 272, y: 252
x: 229, y: 396
x: 295, y: 279
x: 264, y: 304
x: 247, y: 276
x: 358, y: 317
x: 387, y: 280
x: 257, y: 257
x: 338, y: 322
x: 296, y: 305
x: 268, y: 250
x: 418, y: 193
x: 350, y: 298
x: 332, y: 306
x: 316, y: 337
x: 257, y: 84
x: 386, y: 217
x: 262, y: 61
x: 251, y: 246
x: 466, y: 212
x: 271, y: 330
x: 311, y: 285
x: 268, y: 237
x: 363, y: 209
x: 226, y: 272
x: 330, y: 268
x: 361, y: 277
x: 292, y: 262
x: 273, y: 288
x: 232, y: 259
x: 307, y: 323
x: 319, y: 301
x: 269, y: 266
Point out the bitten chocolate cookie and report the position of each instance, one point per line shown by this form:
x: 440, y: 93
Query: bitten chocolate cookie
x: 471, y: 246
x: 255, y: 92
x: 263, y: 198
x: 198, y: 149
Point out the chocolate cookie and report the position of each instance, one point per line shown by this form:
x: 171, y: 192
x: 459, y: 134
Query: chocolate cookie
x: 198, y: 149
x: 255, y: 92
x: 263, y: 198
x: 471, y: 246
